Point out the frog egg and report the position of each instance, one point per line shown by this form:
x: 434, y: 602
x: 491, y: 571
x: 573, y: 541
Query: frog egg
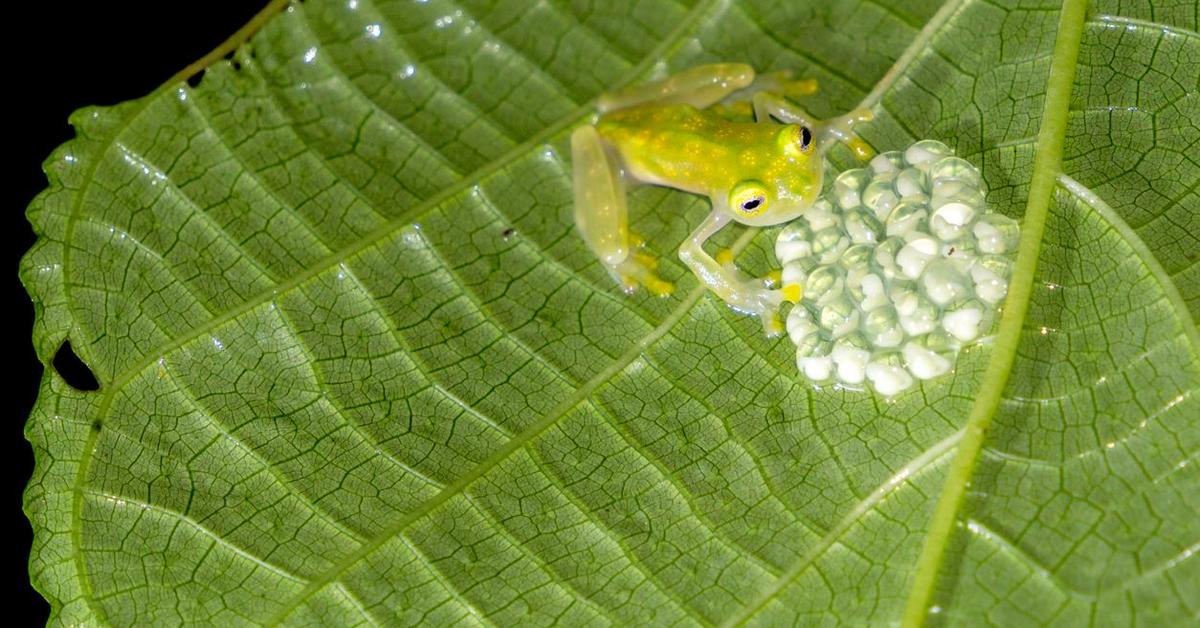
x: 996, y: 234
x: 906, y: 217
x: 795, y: 273
x: 850, y: 357
x: 800, y: 324
x: 825, y: 283
x: 926, y: 152
x: 829, y: 243
x: 857, y: 255
x: 990, y: 287
x: 956, y: 168
x: 848, y: 186
x: 794, y: 241
x: 962, y: 251
x: 821, y: 216
x: 922, y: 362
x: 943, y: 283
x: 951, y: 221
x: 965, y: 321
x: 882, y: 327
x: 887, y: 373
x: 911, y: 182
x: 813, y: 359
x: 922, y: 319
x: 862, y: 226
x: 873, y: 293
x: 903, y: 294
x: 889, y: 162
x: 880, y: 195
x: 854, y: 279
x: 885, y: 256
x: 915, y: 255
x: 940, y: 342
x: 839, y: 316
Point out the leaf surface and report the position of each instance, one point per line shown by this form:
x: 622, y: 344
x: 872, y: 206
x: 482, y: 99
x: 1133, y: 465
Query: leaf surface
x: 357, y: 367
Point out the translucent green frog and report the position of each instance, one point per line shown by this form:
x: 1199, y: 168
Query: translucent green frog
x: 683, y: 132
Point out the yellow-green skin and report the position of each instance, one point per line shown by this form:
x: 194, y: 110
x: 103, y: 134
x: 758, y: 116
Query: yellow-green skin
x: 698, y: 151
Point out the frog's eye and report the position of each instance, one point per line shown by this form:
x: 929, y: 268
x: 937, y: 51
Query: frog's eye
x: 749, y: 198
x: 797, y: 140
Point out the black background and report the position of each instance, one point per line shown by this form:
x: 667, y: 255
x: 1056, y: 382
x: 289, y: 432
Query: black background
x: 67, y: 55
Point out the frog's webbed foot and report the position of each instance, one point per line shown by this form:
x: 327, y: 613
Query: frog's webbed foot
x: 637, y: 269
x: 841, y: 128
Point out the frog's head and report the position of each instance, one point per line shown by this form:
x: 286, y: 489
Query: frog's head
x: 787, y: 180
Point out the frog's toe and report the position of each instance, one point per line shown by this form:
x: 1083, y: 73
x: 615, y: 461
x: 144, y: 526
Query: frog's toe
x: 803, y: 87
x: 772, y: 326
x: 638, y: 270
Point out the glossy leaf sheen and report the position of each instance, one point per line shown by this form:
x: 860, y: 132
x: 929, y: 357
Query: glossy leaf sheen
x: 356, y: 366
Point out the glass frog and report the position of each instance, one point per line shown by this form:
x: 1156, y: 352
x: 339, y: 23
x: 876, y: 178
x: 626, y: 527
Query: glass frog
x: 683, y: 132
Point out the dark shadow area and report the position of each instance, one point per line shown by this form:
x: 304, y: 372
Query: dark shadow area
x: 72, y: 369
x: 63, y: 56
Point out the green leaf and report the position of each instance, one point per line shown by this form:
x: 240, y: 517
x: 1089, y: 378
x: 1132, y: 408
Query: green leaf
x: 357, y: 367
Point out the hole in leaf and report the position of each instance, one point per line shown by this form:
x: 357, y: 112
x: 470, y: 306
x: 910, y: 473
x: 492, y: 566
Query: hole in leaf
x: 73, y: 370
x: 194, y: 80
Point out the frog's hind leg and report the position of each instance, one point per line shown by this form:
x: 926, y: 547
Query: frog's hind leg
x: 767, y: 105
x: 700, y: 87
x: 603, y: 218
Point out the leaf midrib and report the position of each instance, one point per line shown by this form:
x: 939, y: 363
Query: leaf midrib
x: 1047, y: 165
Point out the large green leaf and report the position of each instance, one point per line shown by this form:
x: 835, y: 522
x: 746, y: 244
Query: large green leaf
x: 356, y: 366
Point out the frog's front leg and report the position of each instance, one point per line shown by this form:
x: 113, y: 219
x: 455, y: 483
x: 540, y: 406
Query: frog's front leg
x: 768, y: 105
x: 603, y: 218
x: 746, y: 296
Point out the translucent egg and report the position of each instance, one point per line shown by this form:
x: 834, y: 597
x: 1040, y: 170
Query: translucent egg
x: 996, y: 234
x: 912, y: 182
x: 905, y: 218
x: 891, y: 161
x: 850, y: 357
x: 924, y: 363
x: 825, y: 282
x: 848, y: 187
x: 943, y: 283
x: 862, y: 226
x: 915, y: 255
x: 839, y: 316
x: 880, y: 196
x: 956, y: 168
x: 887, y: 373
x: 829, y: 243
x: 926, y: 151
x: 882, y: 328
x: 794, y: 241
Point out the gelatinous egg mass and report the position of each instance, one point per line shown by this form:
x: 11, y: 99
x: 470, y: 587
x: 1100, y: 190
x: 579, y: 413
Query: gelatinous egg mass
x: 901, y: 265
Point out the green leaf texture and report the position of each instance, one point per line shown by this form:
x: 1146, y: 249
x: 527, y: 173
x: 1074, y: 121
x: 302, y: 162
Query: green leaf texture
x: 357, y: 368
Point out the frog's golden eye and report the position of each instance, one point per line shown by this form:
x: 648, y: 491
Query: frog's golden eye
x: 749, y: 198
x: 796, y: 140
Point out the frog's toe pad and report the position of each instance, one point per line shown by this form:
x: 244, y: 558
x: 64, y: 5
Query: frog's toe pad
x: 792, y: 292
x: 638, y: 270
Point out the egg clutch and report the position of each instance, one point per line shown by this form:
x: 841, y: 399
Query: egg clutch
x: 901, y: 266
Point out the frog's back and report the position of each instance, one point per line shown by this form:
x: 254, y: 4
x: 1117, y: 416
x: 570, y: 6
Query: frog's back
x: 679, y: 145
